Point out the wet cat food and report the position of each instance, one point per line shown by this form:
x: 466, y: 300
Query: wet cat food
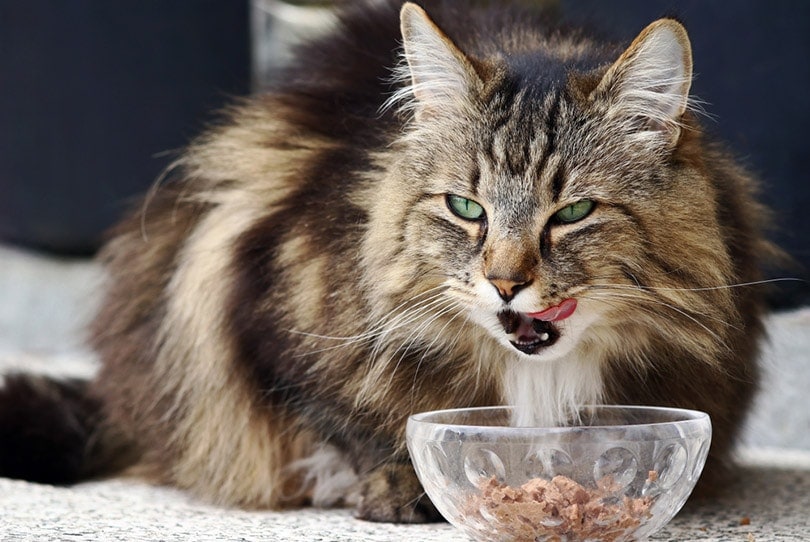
x: 558, y: 509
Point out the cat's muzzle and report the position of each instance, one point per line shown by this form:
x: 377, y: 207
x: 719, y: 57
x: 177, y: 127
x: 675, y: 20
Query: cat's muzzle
x: 530, y: 335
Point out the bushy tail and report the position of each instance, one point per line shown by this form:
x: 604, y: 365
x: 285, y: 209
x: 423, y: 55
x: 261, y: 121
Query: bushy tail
x: 50, y: 430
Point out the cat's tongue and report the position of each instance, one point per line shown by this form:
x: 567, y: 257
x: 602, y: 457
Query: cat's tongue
x: 556, y: 313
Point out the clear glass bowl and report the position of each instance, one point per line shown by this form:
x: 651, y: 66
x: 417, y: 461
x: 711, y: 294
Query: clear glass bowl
x: 620, y: 473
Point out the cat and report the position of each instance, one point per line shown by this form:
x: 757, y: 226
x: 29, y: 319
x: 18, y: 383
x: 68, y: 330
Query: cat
x: 440, y: 204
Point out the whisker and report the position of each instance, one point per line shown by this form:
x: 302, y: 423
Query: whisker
x: 438, y: 334
x: 450, y: 347
x: 643, y: 289
x: 411, y: 339
x: 404, y: 320
x: 400, y: 319
x: 424, y: 314
x: 361, y: 335
x: 680, y: 311
x: 699, y: 289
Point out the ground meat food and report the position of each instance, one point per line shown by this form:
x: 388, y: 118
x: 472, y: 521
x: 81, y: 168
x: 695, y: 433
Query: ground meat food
x: 558, y: 509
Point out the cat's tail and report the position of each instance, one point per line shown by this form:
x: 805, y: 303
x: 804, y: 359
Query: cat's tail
x: 52, y: 431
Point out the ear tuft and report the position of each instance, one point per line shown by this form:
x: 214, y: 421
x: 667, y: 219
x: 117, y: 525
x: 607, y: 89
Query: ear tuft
x: 438, y: 78
x: 650, y: 82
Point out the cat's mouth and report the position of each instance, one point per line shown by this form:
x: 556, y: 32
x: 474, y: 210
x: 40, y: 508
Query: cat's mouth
x: 530, y: 334
x: 533, y: 332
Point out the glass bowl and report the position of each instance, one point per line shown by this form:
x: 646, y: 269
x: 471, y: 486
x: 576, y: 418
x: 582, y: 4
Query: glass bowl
x: 619, y: 473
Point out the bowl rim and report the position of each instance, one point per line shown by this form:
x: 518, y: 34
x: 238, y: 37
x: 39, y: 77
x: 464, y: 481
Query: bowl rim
x: 688, y: 417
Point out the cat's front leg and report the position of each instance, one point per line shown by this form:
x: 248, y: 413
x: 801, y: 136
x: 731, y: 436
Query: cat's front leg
x: 392, y: 493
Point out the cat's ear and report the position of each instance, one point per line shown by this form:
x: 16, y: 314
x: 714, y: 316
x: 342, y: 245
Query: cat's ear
x: 649, y: 83
x: 441, y: 77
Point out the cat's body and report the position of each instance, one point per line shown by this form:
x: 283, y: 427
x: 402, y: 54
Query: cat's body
x: 519, y: 218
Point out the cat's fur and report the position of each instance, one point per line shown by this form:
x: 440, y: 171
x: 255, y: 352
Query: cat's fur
x: 300, y: 285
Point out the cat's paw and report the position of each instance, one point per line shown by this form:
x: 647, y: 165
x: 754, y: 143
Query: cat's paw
x: 393, y: 494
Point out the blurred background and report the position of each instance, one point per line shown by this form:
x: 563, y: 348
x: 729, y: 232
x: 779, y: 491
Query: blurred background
x: 96, y: 98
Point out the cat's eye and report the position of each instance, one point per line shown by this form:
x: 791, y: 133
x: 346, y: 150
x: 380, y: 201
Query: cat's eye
x: 574, y: 212
x: 465, y: 208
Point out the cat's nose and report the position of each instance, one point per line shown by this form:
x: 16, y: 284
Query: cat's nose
x: 509, y: 287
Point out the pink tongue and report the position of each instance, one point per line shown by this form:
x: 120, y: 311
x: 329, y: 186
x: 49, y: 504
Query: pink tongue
x: 557, y: 313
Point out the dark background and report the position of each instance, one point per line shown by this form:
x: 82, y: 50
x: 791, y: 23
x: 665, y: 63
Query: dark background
x: 95, y: 95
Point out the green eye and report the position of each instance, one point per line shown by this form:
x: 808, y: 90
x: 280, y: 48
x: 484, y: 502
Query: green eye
x: 465, y: 208
x: 575, y: 211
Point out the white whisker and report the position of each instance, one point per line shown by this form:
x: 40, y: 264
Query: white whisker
x: 429, y: 348
x: 411, y: 339
x: 384, y: 327
x: 698, y: 289
x: 680, y: 311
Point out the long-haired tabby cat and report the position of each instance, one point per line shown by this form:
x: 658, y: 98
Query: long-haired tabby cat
x: 436, y: 206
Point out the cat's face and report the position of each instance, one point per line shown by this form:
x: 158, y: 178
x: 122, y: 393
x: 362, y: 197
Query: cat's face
x: 521, y: 223
x: 534, y: 203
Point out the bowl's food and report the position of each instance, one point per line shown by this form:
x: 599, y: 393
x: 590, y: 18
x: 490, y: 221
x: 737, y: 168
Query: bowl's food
x: 620, y: 474
x: 560, y: 507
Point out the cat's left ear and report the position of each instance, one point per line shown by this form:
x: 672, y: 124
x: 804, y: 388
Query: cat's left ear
x: 442, y: 78
x: 649, y: 83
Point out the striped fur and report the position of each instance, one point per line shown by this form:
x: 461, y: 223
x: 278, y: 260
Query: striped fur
x: 299, y: 285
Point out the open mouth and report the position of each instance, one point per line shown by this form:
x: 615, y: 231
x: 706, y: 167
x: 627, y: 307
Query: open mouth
x: 531, y: 335
x: 535, y: 331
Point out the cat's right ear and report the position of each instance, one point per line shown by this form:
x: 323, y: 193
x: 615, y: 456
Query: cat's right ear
x: 441, y: 76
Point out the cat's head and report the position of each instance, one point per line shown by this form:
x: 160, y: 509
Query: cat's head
x: 551, y: 190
